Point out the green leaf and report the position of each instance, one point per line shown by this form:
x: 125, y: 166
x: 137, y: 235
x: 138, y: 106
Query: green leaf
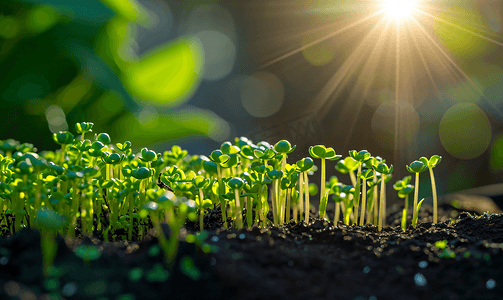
x: 434, y: 161
x: 417, y: 166
x: 305, y: 164
x: 169, y: 74
x: 236, y: 183
x: 284, y: 146
x: 317, y: 151
x: 228, y: 148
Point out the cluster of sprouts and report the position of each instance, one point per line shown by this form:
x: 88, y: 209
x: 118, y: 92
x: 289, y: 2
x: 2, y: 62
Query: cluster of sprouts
x: 92, y: 186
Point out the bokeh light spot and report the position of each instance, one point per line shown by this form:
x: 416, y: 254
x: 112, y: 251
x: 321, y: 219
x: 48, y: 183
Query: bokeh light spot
x: 262, y: 94
x: 458, y: 41
x: 318, y: 54
x: 56, y: 118
x: 219, y: 54
x: 383, y: 124
x: 465, y: 131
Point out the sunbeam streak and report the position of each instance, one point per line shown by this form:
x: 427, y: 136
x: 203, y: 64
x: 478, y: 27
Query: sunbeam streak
x: 335, y: 33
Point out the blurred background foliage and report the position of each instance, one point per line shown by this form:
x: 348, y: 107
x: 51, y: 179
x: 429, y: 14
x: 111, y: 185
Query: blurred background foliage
x: 196, y: 73
x: 113, y: 62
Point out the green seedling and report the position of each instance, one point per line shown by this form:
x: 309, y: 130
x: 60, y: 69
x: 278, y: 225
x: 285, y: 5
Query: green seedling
x: 360, y: 157
x: 417, y: 167
x: 431, y: 163
x: 348, y: 166
x: 346, y: 193
x: 275, y: 176
x: 404, y: 189
x: 384, y: 170
x: 201, y: 183
x: 219, y: 158
x: 236, y: 184
x: 364, y: 176
x: 63, y: 138
x: 288, y: 182
x: 304, y: 165
x: 323, y: 153
x: 84, y: 128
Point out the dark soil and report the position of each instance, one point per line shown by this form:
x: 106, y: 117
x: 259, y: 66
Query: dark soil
x: 294, y: 261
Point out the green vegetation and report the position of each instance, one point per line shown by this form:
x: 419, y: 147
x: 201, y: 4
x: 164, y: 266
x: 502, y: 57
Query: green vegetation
x: 92, y: 185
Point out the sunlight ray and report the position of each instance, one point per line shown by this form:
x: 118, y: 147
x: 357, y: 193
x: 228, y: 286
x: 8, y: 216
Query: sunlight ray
x: 423, y: 60
x: 340, y: 75
x: 455, y: 65
x: 335, y: 33
x: 464, y: 29
x: 372, y: 62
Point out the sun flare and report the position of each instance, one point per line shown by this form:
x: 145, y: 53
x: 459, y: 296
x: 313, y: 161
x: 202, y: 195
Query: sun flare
x: 398, y: 9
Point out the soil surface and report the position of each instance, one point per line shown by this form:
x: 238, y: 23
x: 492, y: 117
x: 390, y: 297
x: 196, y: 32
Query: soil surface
x: 293, y: 261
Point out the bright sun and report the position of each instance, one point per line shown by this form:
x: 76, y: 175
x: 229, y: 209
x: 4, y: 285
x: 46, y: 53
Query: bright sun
x: 398, y: 9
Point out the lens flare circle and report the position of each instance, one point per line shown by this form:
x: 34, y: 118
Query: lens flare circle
x: 398, y: 9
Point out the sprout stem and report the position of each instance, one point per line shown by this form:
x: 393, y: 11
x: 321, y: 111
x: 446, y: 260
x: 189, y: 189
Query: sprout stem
x: 434, y: 191
x: 416, y: 195
x: 301, y: 198
x: 364, y: 203
x: 201, y: 210
x: 239, y: 211
x: 323, y: 204
x: 306, y: 191
x: 221, y: 191
x: 381, y: 206
x: 288, y: 200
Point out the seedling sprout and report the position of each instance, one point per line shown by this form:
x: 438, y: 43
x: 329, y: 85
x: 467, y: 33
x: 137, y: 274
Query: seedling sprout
x: 111, y: 189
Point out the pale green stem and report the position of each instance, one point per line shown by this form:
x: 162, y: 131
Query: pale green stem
x: 221, y: 190
x: 301, y: 198
x: 306, y: 191
x: 381, y: 206
x: 322, y: 189
x: 416, y: 195
x: 288, y: 196
x: 434, y: 191
x: 353, y: 177
x: 375, y: 201
x: 337, y: 215
x: 239, y: 211
x: 201, y: 210
x: 364, y: 203
x: 273, y: 200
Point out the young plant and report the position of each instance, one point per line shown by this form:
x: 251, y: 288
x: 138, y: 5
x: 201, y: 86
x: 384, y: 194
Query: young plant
x: 346, y: 191
x: 219, y: 158
x: 83, y: 128
x: 348, y: 166
x: 364, y: 176
x: 417, y: 167
x: 304, y: 165
x: 236, y: 184
x: 323, y: 153
x: 404, y: 189
x: 360, y: 157
x: 275, y: 176
x: 201, y: 183
x: 288, y: 182
x: 431, y: 163
x: 63, y: 138
x: 384, y: 170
